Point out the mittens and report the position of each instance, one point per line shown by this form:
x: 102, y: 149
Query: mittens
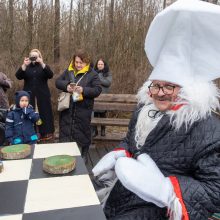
x: 109, y: 160
x: 146, y: 181
x: 17, y: 141
x: 144, y: 178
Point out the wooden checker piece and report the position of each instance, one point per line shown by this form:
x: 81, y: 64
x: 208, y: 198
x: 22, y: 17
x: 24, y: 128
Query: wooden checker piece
x: 59, y: 164
x: 13, y: 152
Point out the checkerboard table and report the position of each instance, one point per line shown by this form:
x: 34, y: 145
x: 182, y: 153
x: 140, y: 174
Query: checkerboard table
x: 28, y: 193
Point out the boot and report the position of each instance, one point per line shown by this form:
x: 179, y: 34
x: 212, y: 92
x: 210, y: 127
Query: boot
x: 85, y: 152
x: 102, y: 130
x: 94, y: 131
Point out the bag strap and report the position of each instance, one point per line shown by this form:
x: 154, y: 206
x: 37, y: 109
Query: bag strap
x: 80, y: 79
x: 73, y: 78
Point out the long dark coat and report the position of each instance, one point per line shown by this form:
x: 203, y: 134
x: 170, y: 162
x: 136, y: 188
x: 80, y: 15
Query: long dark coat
x: 192, y: 156
x: 36, y: 80
x: 75, y: 122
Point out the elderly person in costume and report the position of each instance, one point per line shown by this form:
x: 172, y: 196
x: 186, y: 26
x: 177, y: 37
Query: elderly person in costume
x: 168, y: 166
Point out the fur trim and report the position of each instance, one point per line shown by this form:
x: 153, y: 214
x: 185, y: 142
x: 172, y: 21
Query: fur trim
x: 199, y: 100
x: 175, y: 209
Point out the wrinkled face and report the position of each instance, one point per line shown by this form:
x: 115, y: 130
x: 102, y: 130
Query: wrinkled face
x: 23, y: 102
x: 164, y: 94
x: 100, y: 65
x: 79, y: 64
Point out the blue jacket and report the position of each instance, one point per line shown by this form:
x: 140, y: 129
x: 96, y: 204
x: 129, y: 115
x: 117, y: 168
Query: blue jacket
x: 20, y: 125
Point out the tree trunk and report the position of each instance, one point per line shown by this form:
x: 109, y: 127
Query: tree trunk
x: 11, y: 28
x: 70, y: 29
x: 164, y: 4
x: 30, y: 25
x: 111, y: 17
x: 141, y: 12
x: 57, y: 32
x: 111, y: 28
x: 104, y: 28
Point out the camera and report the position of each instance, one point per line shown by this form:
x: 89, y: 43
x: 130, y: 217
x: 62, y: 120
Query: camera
x: 32, y: 58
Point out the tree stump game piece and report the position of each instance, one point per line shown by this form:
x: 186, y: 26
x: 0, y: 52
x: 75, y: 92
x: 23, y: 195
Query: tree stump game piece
x: 59, y: 164
x: 13, y: 152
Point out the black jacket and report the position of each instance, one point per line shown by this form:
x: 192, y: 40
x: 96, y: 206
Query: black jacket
x: 35, y: 80
x: 193, y: 156
x: 75, y: 122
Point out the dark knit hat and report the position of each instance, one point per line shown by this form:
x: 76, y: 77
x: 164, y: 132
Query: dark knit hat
x: 20, y: 94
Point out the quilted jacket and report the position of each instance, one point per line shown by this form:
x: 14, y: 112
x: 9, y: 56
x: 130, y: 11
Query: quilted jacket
x: 192, y: 156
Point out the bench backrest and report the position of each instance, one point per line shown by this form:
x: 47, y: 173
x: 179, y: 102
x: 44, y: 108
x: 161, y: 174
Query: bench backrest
x: 115, y: 102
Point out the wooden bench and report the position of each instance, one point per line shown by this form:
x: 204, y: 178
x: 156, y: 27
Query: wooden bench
x: 119, y: 108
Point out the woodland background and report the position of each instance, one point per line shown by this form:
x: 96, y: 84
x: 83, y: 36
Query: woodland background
x: 112, y: 29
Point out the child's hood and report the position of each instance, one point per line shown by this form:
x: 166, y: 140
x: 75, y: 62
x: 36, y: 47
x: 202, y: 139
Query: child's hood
x: 18, y: 96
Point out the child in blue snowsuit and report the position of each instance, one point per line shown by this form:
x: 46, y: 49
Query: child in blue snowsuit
x: 20, y: 121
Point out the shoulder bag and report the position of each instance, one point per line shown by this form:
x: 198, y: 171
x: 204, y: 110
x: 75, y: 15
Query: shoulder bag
x: 63, y: 101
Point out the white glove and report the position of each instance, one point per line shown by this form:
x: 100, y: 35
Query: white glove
x: 108, y: 162
x: 144, y: 178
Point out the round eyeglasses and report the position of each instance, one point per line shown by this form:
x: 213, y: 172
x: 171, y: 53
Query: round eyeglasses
x: 167, y: 89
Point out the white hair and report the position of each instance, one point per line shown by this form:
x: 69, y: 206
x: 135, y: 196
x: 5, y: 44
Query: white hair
x: 145, y: 124
x: 198, y: 101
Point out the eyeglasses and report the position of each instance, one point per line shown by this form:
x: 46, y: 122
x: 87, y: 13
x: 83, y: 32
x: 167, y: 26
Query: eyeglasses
x: 167, y: 89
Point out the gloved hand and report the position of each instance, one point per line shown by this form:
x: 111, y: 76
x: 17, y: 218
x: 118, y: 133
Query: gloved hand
x: 144, y: 178
x: 17, y: 141
x: 104, y: 184
x: 109, y: 160
x: 107, y: 178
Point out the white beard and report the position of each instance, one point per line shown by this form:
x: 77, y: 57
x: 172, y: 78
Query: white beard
x: 145, y: 124
x: 198, y: 100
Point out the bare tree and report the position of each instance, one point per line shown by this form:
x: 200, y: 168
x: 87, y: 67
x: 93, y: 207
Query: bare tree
x: 70, y: 28
x: 164, y: 4
x: 141, y: 12
x: 111, y: 27
x: 111, y: 16
x: 57, y: 32
x: 11, y: 27
x: 30, y: 25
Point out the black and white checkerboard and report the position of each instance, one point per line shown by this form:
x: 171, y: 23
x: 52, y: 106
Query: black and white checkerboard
x: 28, y: 193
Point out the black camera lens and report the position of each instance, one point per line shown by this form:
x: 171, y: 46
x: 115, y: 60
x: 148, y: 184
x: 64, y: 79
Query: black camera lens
x: 33, y: 58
